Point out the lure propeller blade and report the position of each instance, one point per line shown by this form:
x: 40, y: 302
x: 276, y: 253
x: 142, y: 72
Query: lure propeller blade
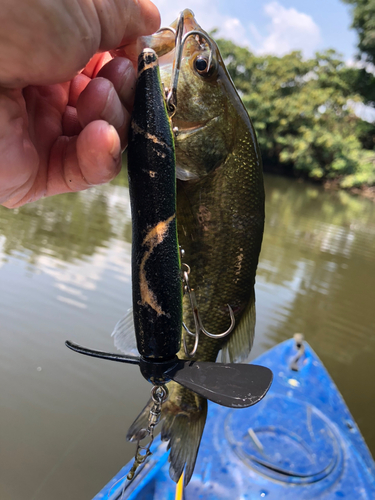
x: 232, y: 385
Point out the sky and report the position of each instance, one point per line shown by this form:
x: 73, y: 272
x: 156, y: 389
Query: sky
x: 273, y: 26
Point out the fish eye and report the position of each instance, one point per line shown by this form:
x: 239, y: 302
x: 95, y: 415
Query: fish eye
x: 201, y: 65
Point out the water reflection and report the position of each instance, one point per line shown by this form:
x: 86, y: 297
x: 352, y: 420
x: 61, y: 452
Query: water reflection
x: 65, y: 227
x: 320, y: 247
x: 65, y: 273
x: 316, y: 276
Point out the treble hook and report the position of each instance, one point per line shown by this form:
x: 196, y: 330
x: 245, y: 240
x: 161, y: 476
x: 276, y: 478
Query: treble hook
x: 179, y: 45
x: 197, y: 319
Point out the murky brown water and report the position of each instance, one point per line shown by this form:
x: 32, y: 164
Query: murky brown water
x: 65, y: 274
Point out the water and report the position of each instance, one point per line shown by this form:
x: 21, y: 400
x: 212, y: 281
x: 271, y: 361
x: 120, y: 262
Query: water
x: 65, y: 274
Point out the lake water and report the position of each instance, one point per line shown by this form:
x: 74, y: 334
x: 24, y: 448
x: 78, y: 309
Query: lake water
x: 65, y: 274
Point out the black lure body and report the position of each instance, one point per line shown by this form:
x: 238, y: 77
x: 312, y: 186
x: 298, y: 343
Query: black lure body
x: 156, y: 273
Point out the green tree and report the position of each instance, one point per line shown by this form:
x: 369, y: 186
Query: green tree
x: 301, y: 113
x: 362, y: 80
x: 364, y: 23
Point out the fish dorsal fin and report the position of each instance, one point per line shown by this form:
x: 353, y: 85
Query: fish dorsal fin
x: 241, y: 340
x: 124, y: 335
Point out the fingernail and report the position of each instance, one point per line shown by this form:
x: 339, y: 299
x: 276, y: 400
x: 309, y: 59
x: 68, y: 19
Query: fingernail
x: 115, y: 148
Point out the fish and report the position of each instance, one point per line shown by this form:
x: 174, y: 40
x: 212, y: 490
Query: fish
x: 220, y: 222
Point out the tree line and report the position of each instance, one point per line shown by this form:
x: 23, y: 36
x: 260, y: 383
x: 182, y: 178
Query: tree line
x: 304, y: 111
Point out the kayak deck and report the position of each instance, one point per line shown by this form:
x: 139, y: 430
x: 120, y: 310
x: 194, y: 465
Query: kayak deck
x: 300, y: 441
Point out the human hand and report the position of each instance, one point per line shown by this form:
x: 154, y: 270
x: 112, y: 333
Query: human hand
x: 60, y: 137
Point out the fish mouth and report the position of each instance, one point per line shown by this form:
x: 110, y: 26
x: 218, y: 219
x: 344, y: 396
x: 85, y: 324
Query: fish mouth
x: 190, y: 24
x: 186, y: 128
x: 162, y: 42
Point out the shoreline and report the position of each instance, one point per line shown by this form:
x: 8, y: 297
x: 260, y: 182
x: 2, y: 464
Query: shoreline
x: 328, y: 184
x: 364, y: 191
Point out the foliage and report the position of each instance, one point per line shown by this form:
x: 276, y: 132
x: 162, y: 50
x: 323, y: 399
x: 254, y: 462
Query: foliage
x: 364, y: 24
x: 363, y: 80
x: 366, y: 134
x: 301, y: 113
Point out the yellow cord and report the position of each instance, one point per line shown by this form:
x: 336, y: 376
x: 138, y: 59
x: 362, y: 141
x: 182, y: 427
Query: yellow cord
x: 180, y: 488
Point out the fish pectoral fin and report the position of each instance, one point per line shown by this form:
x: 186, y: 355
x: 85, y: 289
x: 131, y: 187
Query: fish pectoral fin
x: 124, y: 335
x: 241, y: 340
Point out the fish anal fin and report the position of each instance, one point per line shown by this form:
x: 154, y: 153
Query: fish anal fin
x: 141, y: 422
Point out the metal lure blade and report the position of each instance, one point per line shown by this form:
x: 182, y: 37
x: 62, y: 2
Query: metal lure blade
x: 233, y: 385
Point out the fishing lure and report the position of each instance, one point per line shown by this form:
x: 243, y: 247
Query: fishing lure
x: 156, y: 272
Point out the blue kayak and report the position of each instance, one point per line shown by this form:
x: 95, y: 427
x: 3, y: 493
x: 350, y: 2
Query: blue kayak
x: 300, y: 442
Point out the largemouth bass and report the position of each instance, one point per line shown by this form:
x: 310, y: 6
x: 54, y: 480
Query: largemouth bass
x: 220, y: 219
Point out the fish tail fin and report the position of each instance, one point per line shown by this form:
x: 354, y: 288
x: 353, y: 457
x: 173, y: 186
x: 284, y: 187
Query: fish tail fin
x: 184, y: 417
x: 183, y: 428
